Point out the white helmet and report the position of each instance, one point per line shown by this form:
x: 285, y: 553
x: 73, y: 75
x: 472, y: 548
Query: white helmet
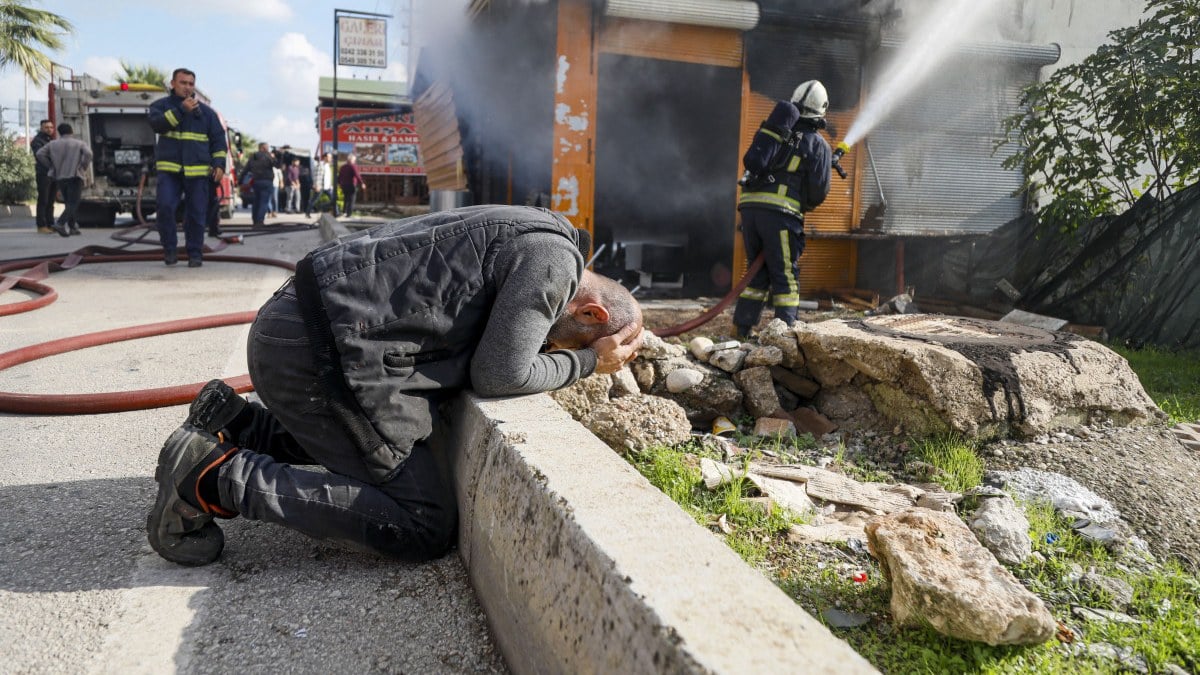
x: 812, y: 100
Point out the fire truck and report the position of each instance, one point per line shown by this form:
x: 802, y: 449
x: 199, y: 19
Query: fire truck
x: 112, y: 118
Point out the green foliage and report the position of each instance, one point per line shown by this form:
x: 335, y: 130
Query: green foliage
x: 25, y: 32
x: 1121, y: 124
x: 142, y: 74
x: 17, y: 176
x: 1172, y: 378
x: 961, y: 469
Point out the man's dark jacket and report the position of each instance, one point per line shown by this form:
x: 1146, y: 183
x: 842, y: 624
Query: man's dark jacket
x: 407, y: 302
x: 40, y: 139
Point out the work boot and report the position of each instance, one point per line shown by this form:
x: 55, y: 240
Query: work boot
x: 180, y: 527
x: 195, y: 262
x: 743, y: 332
x: 45, y: 229
x: 215, y: 407
x: 61, y: 229
x: 170, y: 257
x: 75, y: 229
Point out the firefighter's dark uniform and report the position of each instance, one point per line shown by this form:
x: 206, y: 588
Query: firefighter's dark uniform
x: 190, y: 146
x: 789, y: 166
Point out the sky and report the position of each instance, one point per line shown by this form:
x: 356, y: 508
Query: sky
x: 257, y: 60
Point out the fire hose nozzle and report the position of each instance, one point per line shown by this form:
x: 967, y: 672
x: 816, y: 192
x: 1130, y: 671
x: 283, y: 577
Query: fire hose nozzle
x: 838, y: 153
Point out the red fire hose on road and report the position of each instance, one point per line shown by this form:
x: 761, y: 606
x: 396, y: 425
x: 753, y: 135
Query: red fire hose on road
x: 76, y: 404
x: 717, y: 308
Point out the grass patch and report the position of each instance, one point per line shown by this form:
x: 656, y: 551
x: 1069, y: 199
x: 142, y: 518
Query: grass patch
x: 1166, y: 598
x: 959, y: 467
x: 1171, y: 378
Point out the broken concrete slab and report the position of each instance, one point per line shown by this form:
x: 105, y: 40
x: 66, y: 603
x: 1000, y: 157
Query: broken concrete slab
x: 940, y: 575
x: 1034, y: 320
x: 787, y: 494
x: 834, y: 487
x: 936, y: 374
x: 778, y: 334
x: 1001, y: 526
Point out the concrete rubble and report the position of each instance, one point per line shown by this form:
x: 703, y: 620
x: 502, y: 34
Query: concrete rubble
x: 941, y: 576
x: 909, y: 374
x: 1002, y: 527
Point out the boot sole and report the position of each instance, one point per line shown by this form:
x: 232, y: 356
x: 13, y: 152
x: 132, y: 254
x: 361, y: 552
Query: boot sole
x: 178, y: 531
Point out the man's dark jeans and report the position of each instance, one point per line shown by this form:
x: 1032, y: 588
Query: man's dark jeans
x: 72, y: 192
x: 262, y: 200
x: 348, y: 194
x: 412, y: 516
x: 45, y: 198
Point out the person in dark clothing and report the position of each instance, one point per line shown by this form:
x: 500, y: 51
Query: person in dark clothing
x: 189, y: 157
x: 788, y: 170
x: 261, y: 167
x: 350, y: 376
x: 45, y: 184
x: 350, y: 180
x: 68, y: 159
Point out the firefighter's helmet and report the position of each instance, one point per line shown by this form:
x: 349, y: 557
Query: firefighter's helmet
x: 812, y: 100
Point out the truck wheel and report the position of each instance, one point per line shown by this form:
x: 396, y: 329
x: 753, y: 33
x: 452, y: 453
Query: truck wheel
x: 96, y: 215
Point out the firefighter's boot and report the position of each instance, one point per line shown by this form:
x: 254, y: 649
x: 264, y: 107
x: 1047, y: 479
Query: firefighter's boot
x: 180, y: 526
x: 215, y: 408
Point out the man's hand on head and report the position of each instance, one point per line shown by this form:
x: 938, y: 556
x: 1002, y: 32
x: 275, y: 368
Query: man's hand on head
x: 618, y: 349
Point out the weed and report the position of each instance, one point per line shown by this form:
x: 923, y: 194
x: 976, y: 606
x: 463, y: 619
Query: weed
x: 960, y: 468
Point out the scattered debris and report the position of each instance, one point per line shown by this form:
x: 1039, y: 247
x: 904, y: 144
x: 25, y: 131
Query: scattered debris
x: 1102, y: 615
x: 782, y: 492
x: 942, y: 576
x: 714, y: 473
x: 1034, y: 320
x: 834, y: 487
x: 1002, y: 527
x: 837, y: 618
x: 1104, y: 651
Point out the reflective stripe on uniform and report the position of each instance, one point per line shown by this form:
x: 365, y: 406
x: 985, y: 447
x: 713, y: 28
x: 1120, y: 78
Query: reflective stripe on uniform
x: 779, y: 201
x: 770, y: 133
x: 170, y: 115
x: 754, y: 294
x: 792, y: 297
x: 793, y: 164
x: 194, y: 170
x: 169, y: 167
x: 220, y: 154
x: 187, y: 136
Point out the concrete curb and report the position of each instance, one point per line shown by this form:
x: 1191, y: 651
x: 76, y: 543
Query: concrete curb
x: 583, y: 567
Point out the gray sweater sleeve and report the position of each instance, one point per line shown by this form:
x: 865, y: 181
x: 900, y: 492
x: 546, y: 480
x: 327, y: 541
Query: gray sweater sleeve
x: 536, y: 275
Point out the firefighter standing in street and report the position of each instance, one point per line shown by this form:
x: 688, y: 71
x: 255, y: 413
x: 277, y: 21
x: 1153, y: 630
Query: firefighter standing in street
x: 787, y: 174
x: 191, y: 152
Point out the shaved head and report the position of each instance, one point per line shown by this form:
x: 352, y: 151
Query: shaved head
x: 600, y: 308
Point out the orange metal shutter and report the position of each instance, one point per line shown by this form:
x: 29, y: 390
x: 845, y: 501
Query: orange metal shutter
x: 672, y: 42
x: 441, y: 143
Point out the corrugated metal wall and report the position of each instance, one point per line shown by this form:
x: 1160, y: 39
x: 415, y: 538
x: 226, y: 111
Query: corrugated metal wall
x: 441, y: 143
x: 934, y: 152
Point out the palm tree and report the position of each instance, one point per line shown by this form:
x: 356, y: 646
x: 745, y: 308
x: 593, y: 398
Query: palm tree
x: 25, y: 32
x: 143, y: 74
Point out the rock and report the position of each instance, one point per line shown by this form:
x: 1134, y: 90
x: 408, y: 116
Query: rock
x: 683, y: 379
x: 1002, y: 527
x: 1102, y: 615
x: 784, y: 493
x: 638, y: 422
x: 942, y: 576
x: 764, y: 356
x: 1118, y: 591
x: 728, y: 360
x: 624, y: 384
x: 827, y: 533
x: 714, y: 473
x: 758, y: 391
x: 797, y: 384
x: 812, y: 422
x: 937, y: 374
x: 1104, y: 651
x: 850, y: 408
x: 787, y: 400
x: 699, y: 347
x: 716, y: 396
x: 643, y: 372
x: 936, y: 498
x: 587, y: 393
x: 836, y: 618
x: 771, y: 426
x: 778, y: 334
x: 654, y: 347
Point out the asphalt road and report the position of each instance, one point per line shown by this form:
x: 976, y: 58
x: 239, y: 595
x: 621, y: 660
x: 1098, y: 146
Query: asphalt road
x: 80, y: 589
